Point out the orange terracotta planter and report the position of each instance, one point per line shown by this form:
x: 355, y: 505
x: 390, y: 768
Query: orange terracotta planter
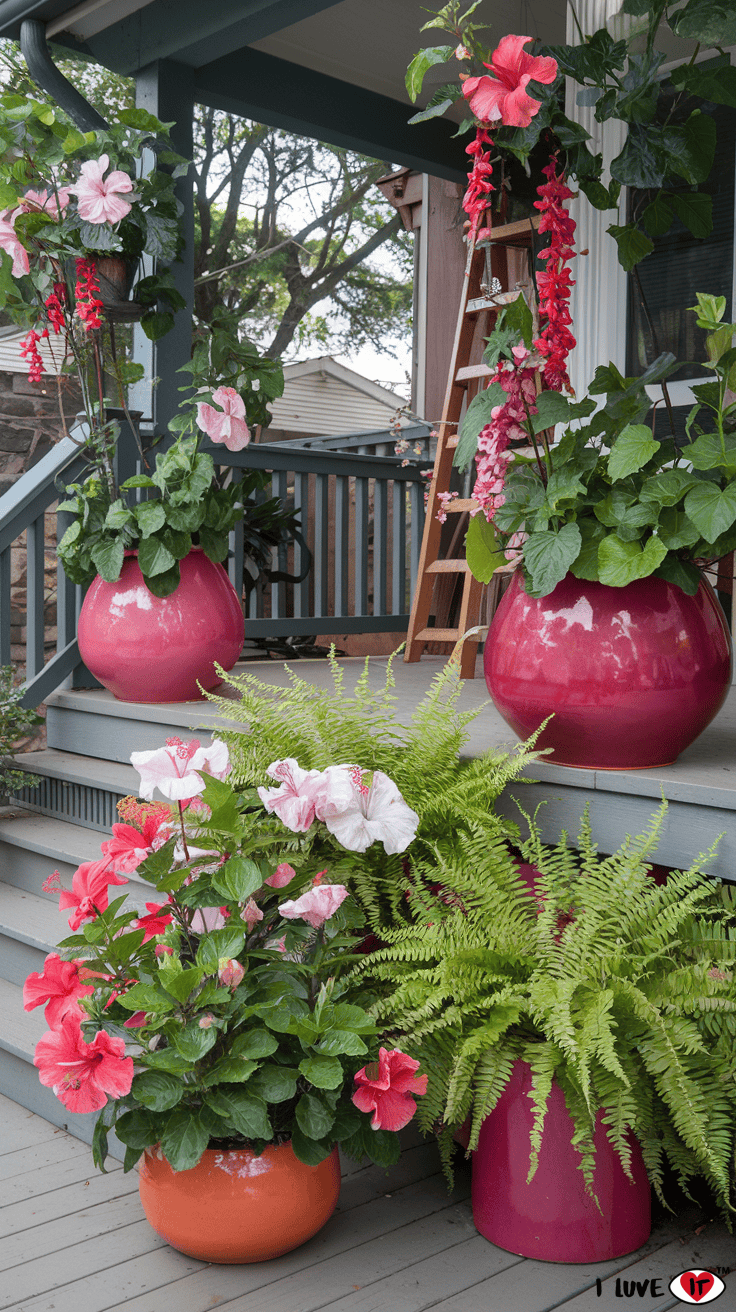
x: 236, y: 1207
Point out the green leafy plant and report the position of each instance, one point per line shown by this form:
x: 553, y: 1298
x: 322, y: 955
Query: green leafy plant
x: 620, y: 990
x: 15, y: 723
x: 615, y: 499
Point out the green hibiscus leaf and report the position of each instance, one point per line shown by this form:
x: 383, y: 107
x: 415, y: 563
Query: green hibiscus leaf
x: 158, y: 1091
x: 633, y: 448
x: 620, y: 562
x: 586, y: 565
x: 420, y: 65
x: 220, y: 943
x: 314, y: 1118
x: 711, y: 510
x: 633, y: 245
x: 676, y: 530
x: 231, y: 1070
x: 154, y: 558
x: 706, y: 452
x: 237, y: 879
x: 275, y: 1083
x: 548, y: 557
x: 695, y: 210
x: 108, y: 559
x: 682, y: 572
x: 140, y: 1129
x: 342, y: 1041
x: 310, y: 1151
x: 322, y: 1071
x: 254, y: 1043
x: 247, y: 1112
x: 482, y: 551
x: 184, y: 1139
x: 193, y: 1042
x: 145, y: 997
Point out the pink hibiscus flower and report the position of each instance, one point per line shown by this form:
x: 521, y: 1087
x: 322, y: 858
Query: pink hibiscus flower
x: 387, y: 1088
x: 282, y: 875
x: 228, y: 424
x: 296, y: 802
x: 175, y: 769
x: 83, y: 1074
x: 230, y: 973
x: 316, y: 906
x: 503, y: 96
x: 12, y: 245
x: 372, y: 811
x: 156, y: 920
x: 88, y: 893
x: 100, y: 200
x: 252, y: 913
x: 52, y: 203
x: 59, y: 985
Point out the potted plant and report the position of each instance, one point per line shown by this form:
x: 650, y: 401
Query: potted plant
x: 216, y: 1031
x: 608, y: 506
x: 576, y: 1019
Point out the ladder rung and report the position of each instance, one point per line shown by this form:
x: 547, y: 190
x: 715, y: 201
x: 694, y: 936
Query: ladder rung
x: 451, y: 443
x: 515, y: 233
x: 447, y: 567
x: 457, y: 507
x: 437, y: 635
x: 473, y: 371
x: 494, y: 302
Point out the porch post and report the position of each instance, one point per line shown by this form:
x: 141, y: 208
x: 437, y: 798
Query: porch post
x: 599, y: 297
x: 164, y: 88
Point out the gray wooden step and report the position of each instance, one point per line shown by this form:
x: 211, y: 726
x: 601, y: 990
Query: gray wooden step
x: 82, y: 789
x: 30, y: 928
x: 19, y: 1034
x: 93, y: 723
x: 33, y: 846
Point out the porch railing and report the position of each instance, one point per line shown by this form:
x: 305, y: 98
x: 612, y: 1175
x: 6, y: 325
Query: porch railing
x: 362, y: 518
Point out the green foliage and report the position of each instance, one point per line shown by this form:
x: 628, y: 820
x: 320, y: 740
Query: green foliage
x: 15, y: 723
x: 621, y: 990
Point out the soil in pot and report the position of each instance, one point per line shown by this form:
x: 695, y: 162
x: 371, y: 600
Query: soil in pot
x: 236, y: 1207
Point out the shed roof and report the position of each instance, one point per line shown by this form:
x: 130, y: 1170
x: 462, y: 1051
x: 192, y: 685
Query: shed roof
x: 332, y: 69
x: 326, y: 398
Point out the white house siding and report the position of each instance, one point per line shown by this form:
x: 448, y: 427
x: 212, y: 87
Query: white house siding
x: 324, y: 398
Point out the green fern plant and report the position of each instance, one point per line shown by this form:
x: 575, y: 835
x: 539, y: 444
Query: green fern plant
x: 620, y: 990
x: 454, y: 797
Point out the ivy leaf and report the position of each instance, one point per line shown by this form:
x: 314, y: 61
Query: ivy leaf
x: 667, y: 487
x: 695, y: 210
x: 706, y: 453
x: 420, y: 65
x: 620, y: 562
x: 633, y: 448
x: 711, y: 510
x: 481, y: 549
x: 633, y: 245
x: 586, y: 565
x: 151, y: 516
x: 548, y: 557
x: 715, y: 84
x: 681, y: 572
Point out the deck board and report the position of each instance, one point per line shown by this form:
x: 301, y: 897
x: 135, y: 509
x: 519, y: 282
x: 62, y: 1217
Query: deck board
x: 75, y: 1241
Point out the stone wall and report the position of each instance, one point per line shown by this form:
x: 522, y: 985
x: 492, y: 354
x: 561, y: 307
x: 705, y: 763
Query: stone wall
x: 29, y: 426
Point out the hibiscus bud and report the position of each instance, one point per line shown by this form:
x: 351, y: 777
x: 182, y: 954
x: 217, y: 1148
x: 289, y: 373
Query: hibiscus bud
x: 206, y: 1022
x: 230, y: 973
x: 252, y: 913
x: 282, y: 876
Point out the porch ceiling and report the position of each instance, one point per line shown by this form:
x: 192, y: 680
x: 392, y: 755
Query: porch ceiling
x: 333, y: 69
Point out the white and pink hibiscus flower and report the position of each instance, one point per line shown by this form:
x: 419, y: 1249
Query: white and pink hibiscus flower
x: 315, y: 906
x: 298, y: 800
x: 227, y: 424
x: 375, y: 810
x: 100, y: 199
x: 502, y: 97
x: 51, y: 202
x: 177, y: 769
x: 11, y: 243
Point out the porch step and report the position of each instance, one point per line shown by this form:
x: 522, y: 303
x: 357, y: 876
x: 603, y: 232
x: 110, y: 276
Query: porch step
x: 93, y: 723
x: 83, y: 789
x: 30, y: 928
x: 32, y: 847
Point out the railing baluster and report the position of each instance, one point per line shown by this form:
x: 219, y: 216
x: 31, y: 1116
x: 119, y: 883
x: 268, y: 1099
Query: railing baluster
x: 5, y: 606
x: 278, y: 590
x: 380, y: 544
x: 361, y: 546
x: 301, y: 506
x: 398, y: 549
x: 416, y: 504
x: 342, y: 542
x: 235, y: 543
x: 66, y: 598
x: 321, y: 543
x: 34, y: 597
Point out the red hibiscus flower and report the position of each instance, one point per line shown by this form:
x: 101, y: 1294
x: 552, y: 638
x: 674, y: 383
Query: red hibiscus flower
x: 89, y: 891
x: 503, y: 96
x: 83, y: 1074
x: 156, y: 920
x: 59, y: 985
x: 386, y: 1088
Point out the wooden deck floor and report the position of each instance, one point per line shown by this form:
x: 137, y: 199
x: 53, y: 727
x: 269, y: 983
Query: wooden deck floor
x: 72, y: 1240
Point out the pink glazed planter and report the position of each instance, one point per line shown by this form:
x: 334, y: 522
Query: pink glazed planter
x: 632, y: 675
x: 158, y: 649
x: 553, y: 1219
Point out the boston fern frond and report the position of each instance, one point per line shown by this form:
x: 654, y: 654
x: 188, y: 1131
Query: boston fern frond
x: 622, y: 991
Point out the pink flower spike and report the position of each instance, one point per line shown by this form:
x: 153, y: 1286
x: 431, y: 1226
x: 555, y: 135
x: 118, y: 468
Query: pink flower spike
x: 387, y: 1088
x: 83, y: 1074
x: 282, y: 875
x: 316, y: 906
x: 100, y: 200
x: 503, y: 96
x: 228, y: 424
x: 59, y: 986
x: 13, y: 246
x: 89, y: 891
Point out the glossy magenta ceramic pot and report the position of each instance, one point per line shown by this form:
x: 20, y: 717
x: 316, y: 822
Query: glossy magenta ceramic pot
x: 552, y: 1218
x: 236, y: 1207
x: 158, y: 649
x: 632, y: 675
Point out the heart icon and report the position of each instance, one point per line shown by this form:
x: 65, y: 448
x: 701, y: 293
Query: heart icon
x: 697, y: 1284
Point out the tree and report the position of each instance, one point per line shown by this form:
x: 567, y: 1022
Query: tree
x: 284, y: 225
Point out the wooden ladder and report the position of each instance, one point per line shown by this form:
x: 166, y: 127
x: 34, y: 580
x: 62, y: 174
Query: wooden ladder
x: 479, y: 306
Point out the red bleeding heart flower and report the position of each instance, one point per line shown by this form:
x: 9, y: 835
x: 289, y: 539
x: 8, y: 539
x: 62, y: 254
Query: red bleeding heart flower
x: 387, y: 1088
